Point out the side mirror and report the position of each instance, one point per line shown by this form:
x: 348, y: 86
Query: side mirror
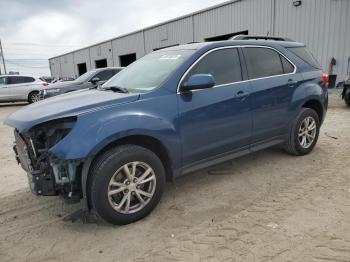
x: 198, y: 81
x: 100, y: 83
x: 95, y: 79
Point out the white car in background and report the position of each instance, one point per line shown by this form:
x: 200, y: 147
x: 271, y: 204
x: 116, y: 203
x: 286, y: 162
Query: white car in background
x: 20, y: 88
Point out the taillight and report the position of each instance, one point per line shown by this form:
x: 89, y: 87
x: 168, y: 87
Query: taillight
x: 325, y: 79
x: 45, y: 84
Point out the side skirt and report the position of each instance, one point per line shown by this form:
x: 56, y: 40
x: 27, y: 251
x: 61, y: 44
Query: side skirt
x: 231, y: 155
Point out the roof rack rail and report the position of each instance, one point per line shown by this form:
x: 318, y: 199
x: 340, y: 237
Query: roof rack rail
x: 257, y: 37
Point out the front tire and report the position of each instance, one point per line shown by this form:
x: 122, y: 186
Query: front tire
x: 304, y: 133
x: 127, y: 183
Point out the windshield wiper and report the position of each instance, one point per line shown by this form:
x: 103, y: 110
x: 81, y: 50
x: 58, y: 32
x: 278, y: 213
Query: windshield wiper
x: 116, y: 89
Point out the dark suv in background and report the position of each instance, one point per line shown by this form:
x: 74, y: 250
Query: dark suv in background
x: 88, y: 80
x: 169, y: 113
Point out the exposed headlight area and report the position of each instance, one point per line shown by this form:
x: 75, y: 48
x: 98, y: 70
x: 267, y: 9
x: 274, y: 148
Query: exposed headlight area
x: 48, y: 134
x: 49, y: 92
x: 48, y: 175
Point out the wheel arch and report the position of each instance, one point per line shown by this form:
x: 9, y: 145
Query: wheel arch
x: 146, y: 141
x: 31, y: 92
x: 315, y: 105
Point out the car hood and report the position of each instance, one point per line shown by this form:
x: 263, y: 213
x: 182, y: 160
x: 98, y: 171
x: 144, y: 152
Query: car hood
x: 71, y: 104
x: 63, y: 84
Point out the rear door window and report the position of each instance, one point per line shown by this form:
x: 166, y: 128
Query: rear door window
x: 305, y: 55
x: 224, y: 65
x: 13, y: 80
x: 262, y: 62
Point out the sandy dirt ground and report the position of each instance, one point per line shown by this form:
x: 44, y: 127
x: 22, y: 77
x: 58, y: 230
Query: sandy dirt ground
x: 268, y: 206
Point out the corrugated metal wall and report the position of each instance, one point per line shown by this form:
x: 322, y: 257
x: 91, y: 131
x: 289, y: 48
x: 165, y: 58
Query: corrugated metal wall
x: 67, y: 65
x: 252, y: 15
x: 130, y: 44
x: 81, y: 56
x: 324, y: 25
x: 101, y: 51
x: 177, y: 32
x: 55, y: 67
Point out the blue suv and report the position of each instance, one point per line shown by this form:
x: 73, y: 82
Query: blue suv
x: 172, y: 112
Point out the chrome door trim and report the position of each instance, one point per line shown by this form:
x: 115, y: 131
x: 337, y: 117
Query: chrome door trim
x: 243, y: 81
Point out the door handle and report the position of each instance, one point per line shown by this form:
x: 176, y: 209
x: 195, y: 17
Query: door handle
x: 291, y: 83
x: 241, y: 95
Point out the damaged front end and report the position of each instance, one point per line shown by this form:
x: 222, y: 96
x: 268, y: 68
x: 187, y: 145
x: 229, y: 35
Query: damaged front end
x: 47, y: 174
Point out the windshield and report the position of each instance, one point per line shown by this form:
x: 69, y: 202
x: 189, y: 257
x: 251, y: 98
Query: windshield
x: 85, y: 77
x: 148, y: 72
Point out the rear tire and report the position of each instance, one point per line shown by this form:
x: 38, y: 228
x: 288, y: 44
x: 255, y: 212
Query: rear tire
x: 304, y: 133
x: 347, y: 98
x: 118, y: 191
x: 33, y: 97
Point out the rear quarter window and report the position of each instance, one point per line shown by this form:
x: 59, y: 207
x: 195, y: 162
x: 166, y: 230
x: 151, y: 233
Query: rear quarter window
x: 12, y: 80
x: 27, y: 79
x: 305, y: 55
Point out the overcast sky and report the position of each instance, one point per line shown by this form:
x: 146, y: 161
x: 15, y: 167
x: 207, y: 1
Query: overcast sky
x: 32, y: 31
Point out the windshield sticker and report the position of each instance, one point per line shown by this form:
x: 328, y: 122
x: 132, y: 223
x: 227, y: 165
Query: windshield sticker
x: 169, y: 57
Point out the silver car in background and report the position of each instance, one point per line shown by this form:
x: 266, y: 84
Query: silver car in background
x: 15, y: 88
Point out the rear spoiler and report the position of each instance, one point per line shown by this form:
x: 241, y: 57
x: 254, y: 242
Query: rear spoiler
x: 256, y: 37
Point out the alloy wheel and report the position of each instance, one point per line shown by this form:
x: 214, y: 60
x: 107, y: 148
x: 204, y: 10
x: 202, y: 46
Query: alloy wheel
x: 35, y: 97
x: 307, y: 132
x: 131, y: 187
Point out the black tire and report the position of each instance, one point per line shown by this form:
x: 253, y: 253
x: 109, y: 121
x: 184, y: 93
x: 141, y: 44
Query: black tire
x: 32, y: 97
x: 102, y: 172
x: 347, y: 98
x: 293, y: 145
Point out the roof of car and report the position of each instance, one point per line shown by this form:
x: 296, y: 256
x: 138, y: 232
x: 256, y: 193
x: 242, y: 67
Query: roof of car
x: 109, y: 67
x: 21, y: 75
x: 196, y: 46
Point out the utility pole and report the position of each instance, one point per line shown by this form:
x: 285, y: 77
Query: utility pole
x: 2, y: 56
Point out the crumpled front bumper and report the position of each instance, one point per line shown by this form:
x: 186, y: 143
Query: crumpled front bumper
x: 46, y: 93
x: 40, y: 183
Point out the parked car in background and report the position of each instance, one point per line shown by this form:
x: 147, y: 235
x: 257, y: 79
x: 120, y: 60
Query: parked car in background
x: 88, y: 80
x: 172, y: 112
x: 47, y: 79
x: 20, y: 88
x: 346, y: 90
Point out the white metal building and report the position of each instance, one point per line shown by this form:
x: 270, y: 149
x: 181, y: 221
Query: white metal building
x: 323, y: 25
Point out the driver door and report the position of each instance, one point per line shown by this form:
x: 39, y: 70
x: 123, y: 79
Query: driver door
x: 215, y: 122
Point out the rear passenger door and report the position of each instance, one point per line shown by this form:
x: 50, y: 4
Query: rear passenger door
x: 273, y: 81
x: 19, y: 86
x: 215, y: 121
